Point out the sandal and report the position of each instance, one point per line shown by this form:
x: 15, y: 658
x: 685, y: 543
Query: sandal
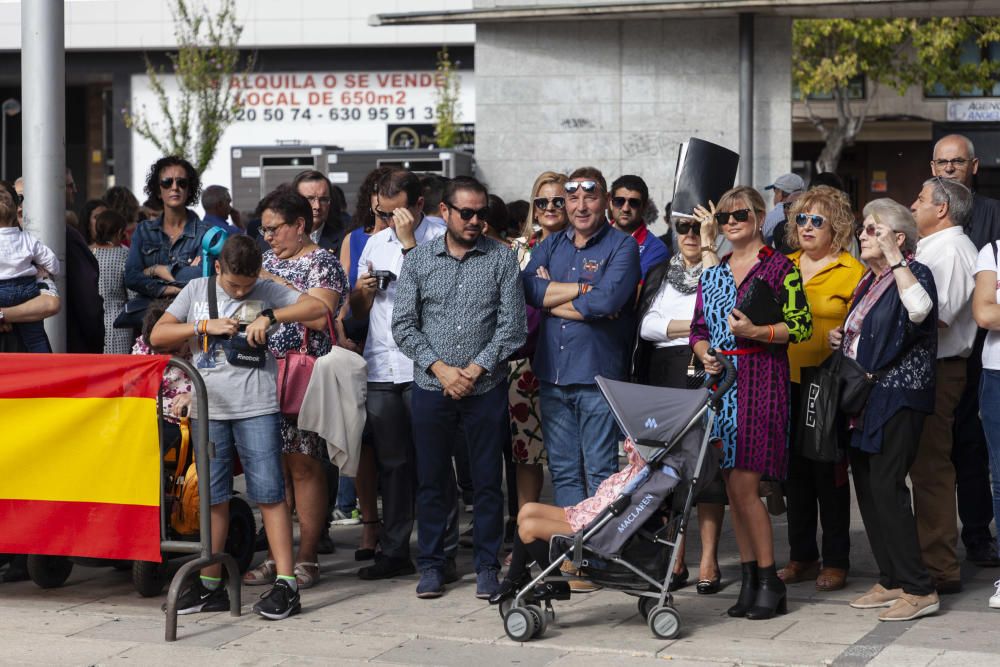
x: 262, y: 575
x: 367, y: 554
x: 306, y: 574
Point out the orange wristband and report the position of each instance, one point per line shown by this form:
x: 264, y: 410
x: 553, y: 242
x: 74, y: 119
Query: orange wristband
x: 771, y: 336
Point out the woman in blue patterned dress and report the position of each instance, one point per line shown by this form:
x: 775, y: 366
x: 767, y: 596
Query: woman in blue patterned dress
x: 295, y: 261
x: 753, y: 422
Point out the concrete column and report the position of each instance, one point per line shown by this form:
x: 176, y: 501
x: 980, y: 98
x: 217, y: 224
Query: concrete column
x: 746, y: 99
x: 121, y: 136
x: 43, y: 118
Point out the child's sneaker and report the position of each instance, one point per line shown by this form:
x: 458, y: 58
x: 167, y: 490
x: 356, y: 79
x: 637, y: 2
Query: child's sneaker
x: 278, y: 603
x: 196, y: 598
x: 342, y: 518
x: 995, y: 598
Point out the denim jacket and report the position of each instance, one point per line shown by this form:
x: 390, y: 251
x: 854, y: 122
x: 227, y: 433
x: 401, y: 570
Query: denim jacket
x: 151, y: 246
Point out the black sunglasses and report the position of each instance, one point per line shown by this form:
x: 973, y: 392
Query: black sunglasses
x: 167, y: 183
x: 742, y: 215
x: 684, y: 228
x: 801, y: 219
x: 382, y: 215
x: 20, y: 200
x: 618, y: 202
x: 589, y: 187
x: 469, y: 213
x: 542, y: 203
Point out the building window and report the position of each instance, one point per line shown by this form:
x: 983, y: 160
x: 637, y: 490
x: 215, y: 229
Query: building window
x: 855, y: 91
x: 971, y: 54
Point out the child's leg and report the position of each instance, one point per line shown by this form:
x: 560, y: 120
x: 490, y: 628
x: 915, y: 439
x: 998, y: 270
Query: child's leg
x: 220, y: 531
x: 220, y: 432
x: 259, y: 446
x: 14, y: 292
x: 33, y: 338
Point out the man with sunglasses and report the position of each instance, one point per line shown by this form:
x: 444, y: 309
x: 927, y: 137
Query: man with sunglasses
x: 460, y: 315
x: 584, y: 278
x: 955, y: 159
x: 941, y: 209
x: 629, y: 199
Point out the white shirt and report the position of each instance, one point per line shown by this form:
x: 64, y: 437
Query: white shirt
x: 669, y: 304
x: 384, y: 250
x: 991, y: 349
x: 951, y: 257
x: 21, y: 254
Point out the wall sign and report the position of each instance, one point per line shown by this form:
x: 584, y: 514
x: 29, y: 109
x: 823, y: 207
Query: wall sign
x: 984, y: 110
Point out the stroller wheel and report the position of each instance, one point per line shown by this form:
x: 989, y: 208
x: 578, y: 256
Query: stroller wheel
x: 520, y: 624
x: 49, y: 571
x: 665, y: 622
x: 646, y: 605
x: 541, y: 620
x: 505, y: 606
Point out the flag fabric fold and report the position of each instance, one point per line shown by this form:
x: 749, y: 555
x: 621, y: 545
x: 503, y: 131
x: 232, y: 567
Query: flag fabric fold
x: 80, y: 460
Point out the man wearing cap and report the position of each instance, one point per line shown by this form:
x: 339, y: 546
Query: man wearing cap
x: 786, y: 187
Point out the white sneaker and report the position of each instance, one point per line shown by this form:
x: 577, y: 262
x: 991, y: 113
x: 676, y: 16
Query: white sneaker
x: 342, y: 519
x: 995, y: 598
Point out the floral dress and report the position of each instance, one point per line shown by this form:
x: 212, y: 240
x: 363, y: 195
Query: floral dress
x: 522, y: 396
x: 579, y: 515
x: 753, y: 421
x: 175, y: 382
x: 318, y: 269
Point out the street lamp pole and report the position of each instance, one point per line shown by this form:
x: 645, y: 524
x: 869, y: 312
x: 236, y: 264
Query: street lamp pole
x: 43, y: 81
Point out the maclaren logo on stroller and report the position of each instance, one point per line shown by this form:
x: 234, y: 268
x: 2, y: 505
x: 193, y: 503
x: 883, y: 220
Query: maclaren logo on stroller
x: 646, y: 501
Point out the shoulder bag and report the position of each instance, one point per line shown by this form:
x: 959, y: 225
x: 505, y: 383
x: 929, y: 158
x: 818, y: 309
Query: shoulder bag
x: 295, y: 371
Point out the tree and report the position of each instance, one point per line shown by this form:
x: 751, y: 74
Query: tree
x: 829, y: 55
x: 446, y: 105
x: 206, y: 60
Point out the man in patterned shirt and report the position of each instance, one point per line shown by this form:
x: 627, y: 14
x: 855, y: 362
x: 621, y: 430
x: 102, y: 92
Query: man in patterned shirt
x: 459, y: 314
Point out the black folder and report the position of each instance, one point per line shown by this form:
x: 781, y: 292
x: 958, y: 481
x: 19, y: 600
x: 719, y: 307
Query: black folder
x: 704, y: 172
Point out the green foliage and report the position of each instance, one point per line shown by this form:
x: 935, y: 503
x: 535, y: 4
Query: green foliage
x: 446, y: 104
x: 207, y: 58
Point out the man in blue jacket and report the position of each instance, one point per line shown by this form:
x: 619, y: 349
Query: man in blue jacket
x: 584, y: 278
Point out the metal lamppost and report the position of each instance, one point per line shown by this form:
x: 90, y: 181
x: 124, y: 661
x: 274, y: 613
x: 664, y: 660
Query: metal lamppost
x: 10, y: 108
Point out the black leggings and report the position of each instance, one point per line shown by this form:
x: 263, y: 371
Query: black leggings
x: 523, y: 554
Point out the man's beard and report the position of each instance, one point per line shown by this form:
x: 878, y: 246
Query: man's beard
x: 457, y: 240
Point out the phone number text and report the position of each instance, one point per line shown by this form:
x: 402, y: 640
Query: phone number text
x: 295, y: 114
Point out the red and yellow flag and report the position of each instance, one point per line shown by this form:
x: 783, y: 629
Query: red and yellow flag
x: 80, y: 455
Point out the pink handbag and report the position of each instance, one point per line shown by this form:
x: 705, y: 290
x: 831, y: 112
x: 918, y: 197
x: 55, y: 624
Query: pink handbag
x: 294, y: 373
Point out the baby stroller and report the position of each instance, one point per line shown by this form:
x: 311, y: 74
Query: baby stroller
x: 632, y: 545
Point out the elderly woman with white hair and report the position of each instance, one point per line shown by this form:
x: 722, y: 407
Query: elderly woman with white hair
x: 891, y: 333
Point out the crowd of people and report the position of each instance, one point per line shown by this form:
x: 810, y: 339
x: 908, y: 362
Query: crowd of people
x: 483, y: 326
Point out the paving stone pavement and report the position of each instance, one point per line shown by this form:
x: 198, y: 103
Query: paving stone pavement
x: 98, y: 619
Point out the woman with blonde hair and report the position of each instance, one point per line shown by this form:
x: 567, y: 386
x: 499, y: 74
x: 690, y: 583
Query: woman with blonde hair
x: 820, y: 229
x: 546, y: 215
x: 753, y: 421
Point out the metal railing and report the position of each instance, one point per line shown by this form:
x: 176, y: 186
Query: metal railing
x: 203, y: 547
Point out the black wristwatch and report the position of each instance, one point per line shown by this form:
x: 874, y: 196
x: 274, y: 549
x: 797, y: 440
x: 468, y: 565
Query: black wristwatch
x: 269, y: 314
x: 901, y: 265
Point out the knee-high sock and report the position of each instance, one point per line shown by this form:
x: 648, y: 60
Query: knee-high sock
x: 523, y: 554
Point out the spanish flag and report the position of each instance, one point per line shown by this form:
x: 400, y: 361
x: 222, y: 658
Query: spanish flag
x: 80, y: 455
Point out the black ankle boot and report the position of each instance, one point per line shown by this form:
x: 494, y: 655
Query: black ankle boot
x: 748, y: 590
x: 771, y: 596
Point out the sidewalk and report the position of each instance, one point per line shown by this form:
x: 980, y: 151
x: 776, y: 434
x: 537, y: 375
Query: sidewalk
x: 98, y: 619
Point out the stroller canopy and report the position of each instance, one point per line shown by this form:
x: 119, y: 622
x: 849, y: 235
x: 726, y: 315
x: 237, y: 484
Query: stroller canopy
x: 651, y: 416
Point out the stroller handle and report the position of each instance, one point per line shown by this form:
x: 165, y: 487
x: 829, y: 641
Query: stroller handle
x: 728, y: 377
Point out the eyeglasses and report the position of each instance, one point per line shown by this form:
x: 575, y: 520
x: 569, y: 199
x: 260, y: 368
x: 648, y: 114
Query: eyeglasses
x: 319, y: 200
x: 542, y: 203
x: 954, y: 162
x: 167, y: 183
x: 469, y: 213
x: 383, y: 215
x: 684, y: 228
x: 802, y: 219
x: 618, y: 202
x: 742, y: 215
x: 270, y: 231
x: 590, y: 187
x: 20, y: 200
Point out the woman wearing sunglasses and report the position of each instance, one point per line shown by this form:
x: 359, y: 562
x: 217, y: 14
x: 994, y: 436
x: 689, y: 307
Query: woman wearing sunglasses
x: 546, y: 215
x: 166, y: 251
x: 820, y: 229
x: 891, y: 331
x: 753, y: 422
x: 663, y: 358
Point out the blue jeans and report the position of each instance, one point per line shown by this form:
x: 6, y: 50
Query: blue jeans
x: 989, y: 400
x: 257, y: 441
x: 485, y: 420
x: 347, y: 497
x: 581, y: 439
x: 14, y: 292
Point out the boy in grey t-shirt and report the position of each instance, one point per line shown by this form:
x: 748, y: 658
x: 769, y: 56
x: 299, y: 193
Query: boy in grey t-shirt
x: 243, y: 407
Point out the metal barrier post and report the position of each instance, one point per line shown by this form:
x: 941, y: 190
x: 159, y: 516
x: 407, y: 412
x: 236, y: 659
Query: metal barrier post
x: 204, y: 546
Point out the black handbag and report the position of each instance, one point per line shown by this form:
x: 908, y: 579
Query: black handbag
x: 818, y: 412
x: 695, y: 378
x: 856, y: 384
x: 760, y: 304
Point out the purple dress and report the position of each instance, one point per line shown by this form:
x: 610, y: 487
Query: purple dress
x: 753, y: 421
